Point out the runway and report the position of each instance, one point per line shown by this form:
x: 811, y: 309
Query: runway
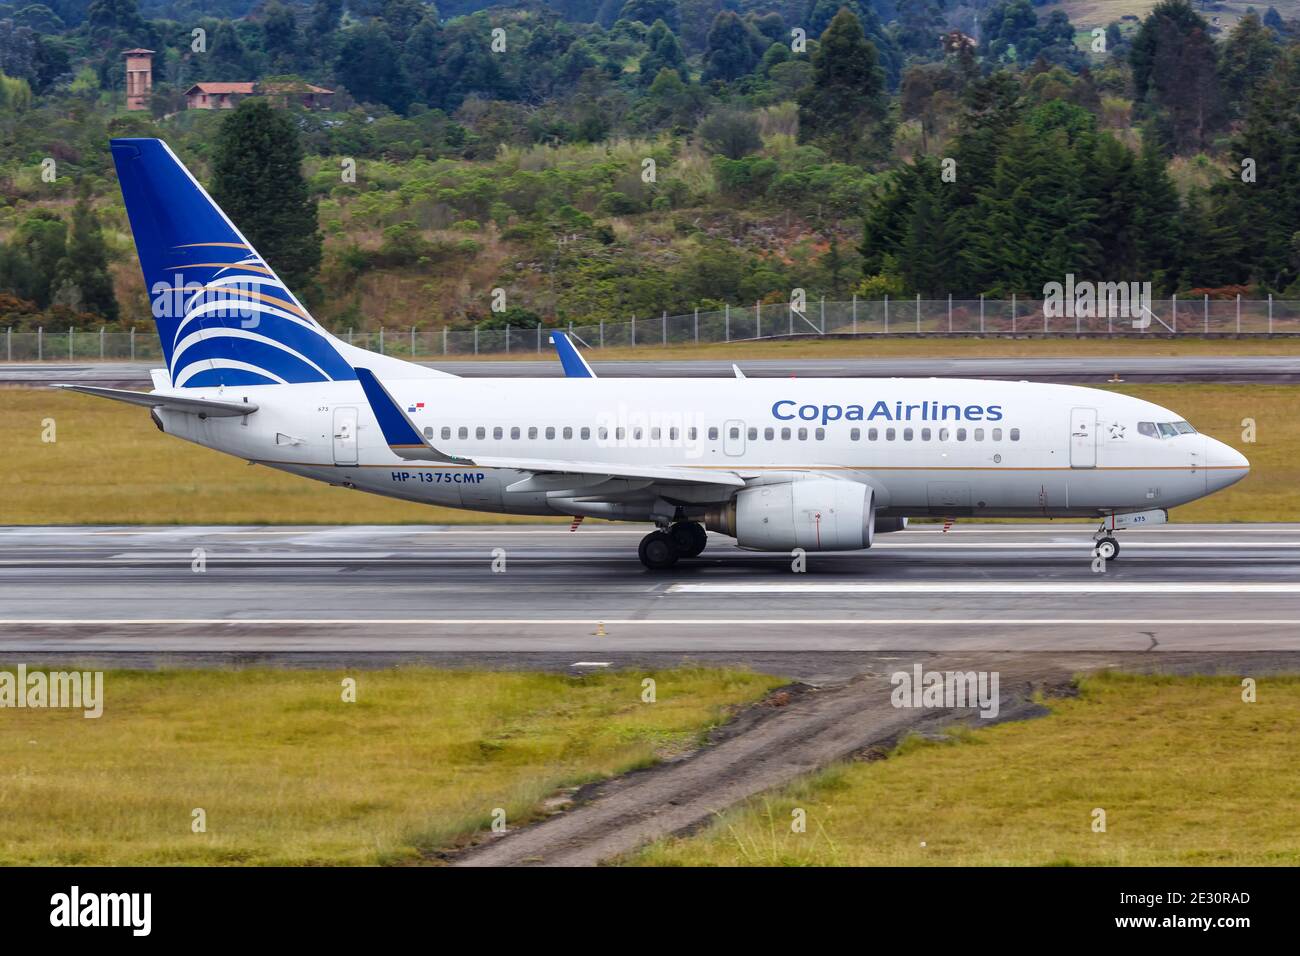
x: 1134, y: 368
x: 584, y: 595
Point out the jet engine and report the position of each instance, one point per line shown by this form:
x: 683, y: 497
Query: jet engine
x: 820, y: 514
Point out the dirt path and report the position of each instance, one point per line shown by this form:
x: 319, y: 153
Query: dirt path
x: 770, y: 746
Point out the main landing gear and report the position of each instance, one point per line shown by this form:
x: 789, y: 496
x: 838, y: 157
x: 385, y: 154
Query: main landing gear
x: 660, y: 550
x: 1104, y: 544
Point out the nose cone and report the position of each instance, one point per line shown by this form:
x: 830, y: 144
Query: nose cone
x: 1226, y: 465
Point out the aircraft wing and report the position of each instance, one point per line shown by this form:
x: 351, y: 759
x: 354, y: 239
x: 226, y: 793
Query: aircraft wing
x: 408, y: 441
x: 174, y: 403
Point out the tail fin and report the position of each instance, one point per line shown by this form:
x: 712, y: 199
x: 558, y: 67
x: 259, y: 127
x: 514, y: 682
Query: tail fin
x: 223, y: 315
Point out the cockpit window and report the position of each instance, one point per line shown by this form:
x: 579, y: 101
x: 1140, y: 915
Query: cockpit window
x: 1149, y: 429
x: 1167, y: 430
x: 1184, y: 428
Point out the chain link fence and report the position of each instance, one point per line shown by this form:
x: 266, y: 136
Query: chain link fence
x: 898, y: 317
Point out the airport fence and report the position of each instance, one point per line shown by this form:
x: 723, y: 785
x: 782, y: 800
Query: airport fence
x: 915, y: 317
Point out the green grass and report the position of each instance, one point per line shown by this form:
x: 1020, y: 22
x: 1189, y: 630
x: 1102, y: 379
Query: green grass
x: 111, y: 466
x: 287, y: 773
x: 1186, y: 773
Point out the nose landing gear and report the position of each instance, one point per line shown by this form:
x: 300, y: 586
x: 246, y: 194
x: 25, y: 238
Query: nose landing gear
x: 660, y: 550
x: 1104, y: 545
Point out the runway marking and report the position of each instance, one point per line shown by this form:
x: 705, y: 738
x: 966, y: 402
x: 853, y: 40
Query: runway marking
x: 655, y: 622
x: 992, y: 587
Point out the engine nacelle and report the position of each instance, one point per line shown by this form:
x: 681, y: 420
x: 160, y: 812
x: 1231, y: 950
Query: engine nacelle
x: 820, y: 514
x: 886, y: 525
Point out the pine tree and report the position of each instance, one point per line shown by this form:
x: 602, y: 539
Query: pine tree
x: 81, y: 279
x: 844, y: 109
x: 257, y: 178
x: 1156, y: 218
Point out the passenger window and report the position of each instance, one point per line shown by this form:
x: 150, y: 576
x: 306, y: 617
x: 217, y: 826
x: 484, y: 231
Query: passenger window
x: 979, y: 434
x: 463, y: 432
x: 568, y: 432
x: 925, y: 434
x: 672, y: 434
x: 889, y: 434
x: 873, y: 434
x: 943, y: 434
x: 620, y: 433
x: 550, y: 432
x: 654, y: 434
x: 769, y: 434
x: 532, y: 432
x: 907, y: 434
x: 636, y: 433
x: 691, y: 434
x: 498, y: 433
x: 713, y: 433
x: 803, y: 434
x: 820, y: 434
x: 585, y: 434
x: 734, y: 432
x: 603, y: 433
x: 480, y: 432
x: 753, y: 434
x: 1015, y: 434
x: 997, y: 434
x: 446, y: 432
x: 785, y: 434
x: 855, y: 434
x: 428, y: 431
x: 514, y: 433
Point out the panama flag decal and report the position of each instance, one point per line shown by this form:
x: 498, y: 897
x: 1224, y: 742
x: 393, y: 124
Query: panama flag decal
x: 415, y: 408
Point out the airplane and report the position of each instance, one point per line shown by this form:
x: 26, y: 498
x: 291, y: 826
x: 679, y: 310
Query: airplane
x: 776, y: 464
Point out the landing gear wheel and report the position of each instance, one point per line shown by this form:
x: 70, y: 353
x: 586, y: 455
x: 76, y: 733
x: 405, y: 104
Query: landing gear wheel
x: 689, y: 537
x: 657, y: 551
x: 1106, y: 548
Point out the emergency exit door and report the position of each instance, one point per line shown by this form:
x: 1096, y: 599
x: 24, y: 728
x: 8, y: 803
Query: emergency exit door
x: 1083, y: 438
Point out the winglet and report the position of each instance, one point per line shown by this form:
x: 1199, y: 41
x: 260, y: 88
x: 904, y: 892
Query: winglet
x: 575, y: 366
x: 399, y: 431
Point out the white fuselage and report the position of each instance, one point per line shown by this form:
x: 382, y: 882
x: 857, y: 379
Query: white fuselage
x: 942, y: 447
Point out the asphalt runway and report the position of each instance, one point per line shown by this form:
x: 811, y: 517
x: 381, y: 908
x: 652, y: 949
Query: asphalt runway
x: 1135, y: 368
x: 584, y: 597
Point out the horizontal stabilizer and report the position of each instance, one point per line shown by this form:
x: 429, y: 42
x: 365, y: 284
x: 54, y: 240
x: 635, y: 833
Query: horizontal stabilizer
x: 173, y: 403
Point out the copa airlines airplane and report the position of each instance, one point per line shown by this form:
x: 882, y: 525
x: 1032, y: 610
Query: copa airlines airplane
x: 778, y: 464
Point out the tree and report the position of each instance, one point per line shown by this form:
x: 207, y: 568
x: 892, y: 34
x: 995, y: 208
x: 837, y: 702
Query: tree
x: 1245, y: 59
x: 662, y: 52
x: 844, y: 110
x: 648, y: 11
x: 731, y: 51
x: 369, y: 67
x: 81, y: 279
x: 1175, y: 76
x: 29, y: 259
x: 731, y: 133
x: 257, y: 178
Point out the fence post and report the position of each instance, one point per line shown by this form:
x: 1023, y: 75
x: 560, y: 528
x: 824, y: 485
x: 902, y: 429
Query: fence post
x: 602, y: 333
x: 1013, y: 313
x: 697, y: 325
x: 444, y: 340
x: 133, y: 345
x: 1270, y: 313
x: 101, y: 342
x: 1173, y: 302
x: 1238, y: 313
x: 381, y: 340
x: 758, y: 317
x: 539, y: 338
x: 726, y: 317
x: 855, y: 313
x: 476, y: 340
x: 40, y: 342
x: 823, y: 315
x: 1207, y: 313
x: 69, y: 343
x: 9, y: 344
x: 350, y: 330
x: 664, y: 319
x: 634, y: 331
x: 507, y: 338
x: 412, y: 342
x: 981, y: 313
x: 950, y: 313
x: 918, y: 312
x: 886, y: 313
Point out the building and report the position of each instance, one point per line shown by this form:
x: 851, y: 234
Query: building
x: 139, y: 78
x: 224, y: 96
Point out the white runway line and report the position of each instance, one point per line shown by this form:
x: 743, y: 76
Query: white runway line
x: 655, y: 622
x: 992, y: 587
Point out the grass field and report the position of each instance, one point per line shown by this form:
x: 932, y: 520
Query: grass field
x: 289, y: 774
x: 110, y: 465
x: 1186, y: 773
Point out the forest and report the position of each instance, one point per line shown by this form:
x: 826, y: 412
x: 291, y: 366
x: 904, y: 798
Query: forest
x: 525, y: 163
